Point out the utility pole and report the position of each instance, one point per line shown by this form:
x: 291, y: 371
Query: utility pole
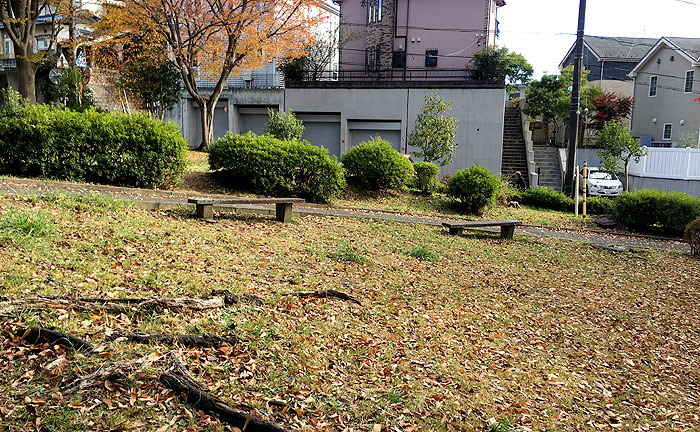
x: 575, y: 99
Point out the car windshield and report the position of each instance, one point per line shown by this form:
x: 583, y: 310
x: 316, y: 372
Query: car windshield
x: 599, y: 175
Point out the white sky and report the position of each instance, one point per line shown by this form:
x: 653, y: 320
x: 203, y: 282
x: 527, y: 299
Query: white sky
x: 544, y: 30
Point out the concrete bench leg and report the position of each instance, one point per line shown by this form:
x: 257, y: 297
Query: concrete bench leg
x: 456, y: 230
x: 205, y: 211
x: 284, y: 212
x: 507, y: 231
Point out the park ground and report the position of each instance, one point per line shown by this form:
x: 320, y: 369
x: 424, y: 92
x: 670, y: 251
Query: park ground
x: 541, y: 333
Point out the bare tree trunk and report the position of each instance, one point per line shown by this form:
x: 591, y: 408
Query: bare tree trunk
x: 207, y: 117
x: 26, y: 74
x: 627, y: 177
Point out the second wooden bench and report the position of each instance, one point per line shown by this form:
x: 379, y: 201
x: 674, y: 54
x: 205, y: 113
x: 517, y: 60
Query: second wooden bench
x: 507, y: 226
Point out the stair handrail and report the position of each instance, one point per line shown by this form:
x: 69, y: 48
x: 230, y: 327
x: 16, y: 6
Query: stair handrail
x: 532, y: 175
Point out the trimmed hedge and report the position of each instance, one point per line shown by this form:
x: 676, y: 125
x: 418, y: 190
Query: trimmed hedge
x: 656, y: 212
x: 375, y: 165
x: 128, y: 150
x: 269, y: 166
x: 475, y: 188
x: 547, y: 198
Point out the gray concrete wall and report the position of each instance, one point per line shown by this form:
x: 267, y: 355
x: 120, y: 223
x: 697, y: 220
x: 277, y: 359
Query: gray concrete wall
x: 479, y: 114
x: 671, y: 104
x: 691, y: 187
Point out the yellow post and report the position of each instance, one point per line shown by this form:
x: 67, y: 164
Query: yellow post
x: 585, y: 180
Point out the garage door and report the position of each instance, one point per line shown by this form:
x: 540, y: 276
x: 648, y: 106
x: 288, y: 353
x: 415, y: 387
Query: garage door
x: 322, y: 130
x: 365, y: 131
x: 220, y: 122
x: 253, y: 119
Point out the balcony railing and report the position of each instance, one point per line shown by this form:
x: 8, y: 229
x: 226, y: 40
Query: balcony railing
x: 258, y: 79
x: 398, y: 78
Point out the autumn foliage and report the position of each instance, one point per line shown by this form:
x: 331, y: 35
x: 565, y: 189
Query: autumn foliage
x: 214, y: 39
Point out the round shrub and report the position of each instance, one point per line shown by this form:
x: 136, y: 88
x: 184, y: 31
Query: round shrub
x: 426, y: 176
x: 374, y: 165
x: 266, y: 165
x: 128, y: 150
x: 547, y: 198
x: 692, y: 236
x: 475, y: 188
x: 656, y: 212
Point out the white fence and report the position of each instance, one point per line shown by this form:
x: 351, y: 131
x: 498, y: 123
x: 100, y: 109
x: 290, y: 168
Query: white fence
x: 668, y: 163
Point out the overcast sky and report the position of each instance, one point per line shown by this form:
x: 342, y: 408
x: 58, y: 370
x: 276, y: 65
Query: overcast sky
x: 544, y: 30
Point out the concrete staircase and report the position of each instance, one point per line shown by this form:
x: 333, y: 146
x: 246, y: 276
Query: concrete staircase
x: 548, y: 166
x: 514, y: 158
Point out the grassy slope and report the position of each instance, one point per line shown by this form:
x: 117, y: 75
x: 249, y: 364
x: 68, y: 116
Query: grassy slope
x: 551, y: 334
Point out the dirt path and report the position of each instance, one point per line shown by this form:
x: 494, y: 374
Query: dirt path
x: 155, y: 199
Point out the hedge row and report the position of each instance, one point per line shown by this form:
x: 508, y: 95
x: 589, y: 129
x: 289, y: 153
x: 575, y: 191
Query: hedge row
x: 128, y: 150
x: 269, y: 166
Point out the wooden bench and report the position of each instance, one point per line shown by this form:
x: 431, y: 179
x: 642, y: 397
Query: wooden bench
x: 205, y: 206
x: 507, y: 226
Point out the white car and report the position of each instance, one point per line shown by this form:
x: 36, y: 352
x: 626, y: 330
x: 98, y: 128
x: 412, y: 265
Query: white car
x: 601, y: 183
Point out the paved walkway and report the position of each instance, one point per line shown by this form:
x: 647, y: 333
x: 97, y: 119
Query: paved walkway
x: 155, y: 199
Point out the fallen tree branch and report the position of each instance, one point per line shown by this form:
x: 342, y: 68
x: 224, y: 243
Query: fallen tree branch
x: 216, y: 300
x: 104, y: 373
x: 322, y: 294
x: 177, y: 378
x: 39, y: 335
x: 206, y: 340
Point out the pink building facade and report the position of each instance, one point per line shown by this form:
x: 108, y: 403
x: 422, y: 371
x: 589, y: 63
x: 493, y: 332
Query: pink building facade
x: 415, y: 36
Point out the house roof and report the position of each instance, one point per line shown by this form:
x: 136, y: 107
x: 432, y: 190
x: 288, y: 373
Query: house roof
x: 610, y: 48
x: 689, y: 48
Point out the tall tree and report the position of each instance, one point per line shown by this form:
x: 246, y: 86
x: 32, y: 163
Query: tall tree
x: 213, y: 39
x: 18, y: 18
x: 550, y: 97
x: 434, y: 131
x: 494, y: 64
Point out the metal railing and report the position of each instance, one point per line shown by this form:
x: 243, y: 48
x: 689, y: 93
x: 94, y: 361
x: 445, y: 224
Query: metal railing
x: 401, y: 75
x: 7, y: 65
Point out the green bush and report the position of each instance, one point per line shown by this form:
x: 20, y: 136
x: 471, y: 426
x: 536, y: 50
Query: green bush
x: 129, y: 150
x: 598, y: 205
x: 692, y: 236
x: 656, y: 212
x: 284, y: 126
x: 546, y: 198
x: 426, y: 176
x: 475, y: 188
x: 374, y: 165
x: 266, y: 165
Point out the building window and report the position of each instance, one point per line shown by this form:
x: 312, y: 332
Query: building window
x: 431, y: 57
x: 372, y: 58
x: 42, y: 43
x: 689, y: 77
x: 8, y: 46
x: 653, y: 81
x: 668, y: 128
x: 374, y: 11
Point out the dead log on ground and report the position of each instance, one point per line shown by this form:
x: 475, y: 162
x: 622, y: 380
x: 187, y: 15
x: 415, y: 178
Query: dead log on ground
x: 104, y: 373
x: 206, y: 340
x: 39, y: 335
x: 323, y: 294
x: 177, y: 378
x: 216, y: 300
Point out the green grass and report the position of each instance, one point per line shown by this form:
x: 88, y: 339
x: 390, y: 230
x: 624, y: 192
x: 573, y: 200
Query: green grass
x: 554, y: 335
x: 423, y: 253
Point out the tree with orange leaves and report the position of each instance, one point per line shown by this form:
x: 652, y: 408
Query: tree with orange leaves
x: 214, y: 39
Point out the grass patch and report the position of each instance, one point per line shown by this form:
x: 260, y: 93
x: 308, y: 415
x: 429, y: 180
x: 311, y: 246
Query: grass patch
x: 490, y: 330
x: 423, y: 253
